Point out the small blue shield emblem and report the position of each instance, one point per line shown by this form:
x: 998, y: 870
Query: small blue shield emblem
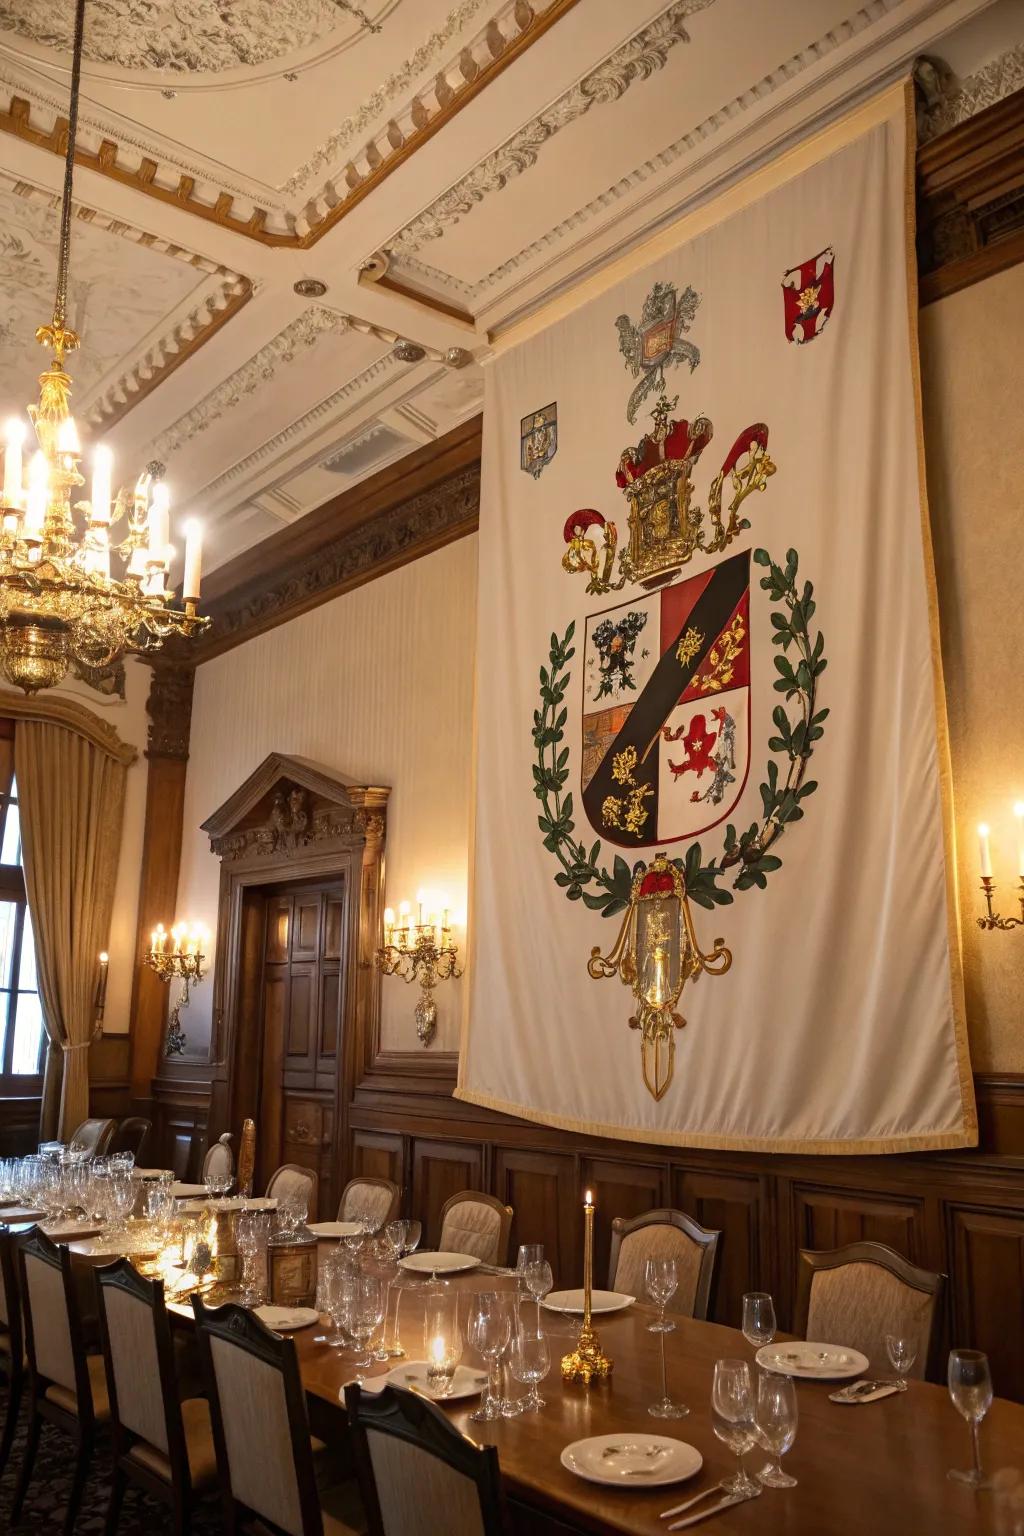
x: 538, y: 436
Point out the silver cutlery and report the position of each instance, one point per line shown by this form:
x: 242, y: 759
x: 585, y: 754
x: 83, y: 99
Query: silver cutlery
x: 705, y: 1514
x: 634, y: 1450
x: 680, y: 1509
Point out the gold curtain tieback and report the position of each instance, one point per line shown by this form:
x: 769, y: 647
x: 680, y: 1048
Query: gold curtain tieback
x: 83, y: 1045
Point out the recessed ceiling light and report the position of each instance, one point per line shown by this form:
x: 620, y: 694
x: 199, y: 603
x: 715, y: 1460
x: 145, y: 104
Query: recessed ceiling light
x: 310, y: 288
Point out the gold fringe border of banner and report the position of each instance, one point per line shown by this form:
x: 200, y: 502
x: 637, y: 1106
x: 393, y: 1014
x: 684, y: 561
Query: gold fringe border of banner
x: 885, y: 108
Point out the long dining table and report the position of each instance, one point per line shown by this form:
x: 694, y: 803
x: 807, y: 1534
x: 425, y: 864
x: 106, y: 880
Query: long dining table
x: 871, y: 1469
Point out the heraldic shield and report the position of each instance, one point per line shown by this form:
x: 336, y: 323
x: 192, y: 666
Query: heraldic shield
x: 666, y: 709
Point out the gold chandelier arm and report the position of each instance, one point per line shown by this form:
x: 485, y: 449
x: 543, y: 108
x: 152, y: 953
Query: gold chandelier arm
x: 601, y: 967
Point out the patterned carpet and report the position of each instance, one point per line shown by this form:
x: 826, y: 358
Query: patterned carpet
x: 43, y: 1514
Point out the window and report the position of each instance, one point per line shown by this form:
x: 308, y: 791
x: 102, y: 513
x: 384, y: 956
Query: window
x: 21, y: 1017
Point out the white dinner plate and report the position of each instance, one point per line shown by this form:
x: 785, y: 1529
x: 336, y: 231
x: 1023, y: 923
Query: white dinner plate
x: 438, y: 1263
x: 286, y: 1319
x: 812, y: 1362
x: 629, y: 1460
x: 571, y: 1302
x: 413, y: 1373
x: 187, y: 1191
x: 334, y: 1228
x: 235, y: 1203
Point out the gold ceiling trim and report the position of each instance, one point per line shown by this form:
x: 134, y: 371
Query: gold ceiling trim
x: 17, y: 121
x: 52, y: 709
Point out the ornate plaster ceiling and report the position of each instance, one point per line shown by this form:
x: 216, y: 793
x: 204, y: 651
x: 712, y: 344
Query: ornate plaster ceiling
x: 444, y: 167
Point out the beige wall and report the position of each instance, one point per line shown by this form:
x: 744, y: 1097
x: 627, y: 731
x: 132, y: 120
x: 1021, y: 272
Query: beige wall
x: 379, y: 683
x: 972, y: 353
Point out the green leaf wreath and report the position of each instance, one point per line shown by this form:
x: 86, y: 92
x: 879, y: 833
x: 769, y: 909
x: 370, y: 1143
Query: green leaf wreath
x: 608, y: 892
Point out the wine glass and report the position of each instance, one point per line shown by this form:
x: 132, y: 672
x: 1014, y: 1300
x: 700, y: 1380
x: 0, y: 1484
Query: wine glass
x: 758, y: 1323
x: 530, y: 1360
x: 529, y: 1253
x: 397, y: 1234
x: 661, y: 1278
x: 539, y: 1280
x: 489, y: 1331
x: 355, y: 1239
x: 776, y: 1417
x: 366, y: 1310
x: 970, y: 1387
x: 733, y: 1420
x: 902, y: 1352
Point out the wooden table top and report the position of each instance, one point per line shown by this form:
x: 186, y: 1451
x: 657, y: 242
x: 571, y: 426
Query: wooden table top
x: 877, y: 1469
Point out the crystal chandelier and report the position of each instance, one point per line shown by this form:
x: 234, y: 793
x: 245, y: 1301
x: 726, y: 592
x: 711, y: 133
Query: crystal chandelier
x: 59, y: 602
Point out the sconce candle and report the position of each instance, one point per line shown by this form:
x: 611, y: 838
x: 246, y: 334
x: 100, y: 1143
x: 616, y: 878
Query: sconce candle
x: 985, y: 850
x: 1018, y: 812
x: 185, y: 960
x: 422, y: 952
x: 992, y: 919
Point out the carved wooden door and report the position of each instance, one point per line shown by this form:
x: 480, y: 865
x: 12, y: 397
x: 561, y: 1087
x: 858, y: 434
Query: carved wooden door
x: 302, y: 991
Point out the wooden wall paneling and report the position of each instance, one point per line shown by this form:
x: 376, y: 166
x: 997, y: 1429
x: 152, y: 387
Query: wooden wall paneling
x: 830, y: 1218
x: 110, y: 1076
x: 621, y: 1187
x: 380, y: 1155
x: 987, y: 1284
x: 733, y: 1204
x: 441, y: 1169
x: 543, y: 1189
x: 181, y: 1112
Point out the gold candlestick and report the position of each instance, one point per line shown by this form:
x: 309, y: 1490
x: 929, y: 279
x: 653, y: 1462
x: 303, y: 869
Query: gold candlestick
x: 586, y: 1361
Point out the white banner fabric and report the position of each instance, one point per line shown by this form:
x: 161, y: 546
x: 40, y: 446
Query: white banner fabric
x: 768, y: 365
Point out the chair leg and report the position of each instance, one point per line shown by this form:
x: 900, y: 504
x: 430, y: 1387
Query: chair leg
x: 11, y: 1424
x: 117, y: 1487
x: 85, y: 1446
x: 27, y: 1462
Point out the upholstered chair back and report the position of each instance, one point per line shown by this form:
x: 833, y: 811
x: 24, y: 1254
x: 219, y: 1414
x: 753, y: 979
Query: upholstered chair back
x: 130, y: 1323
x: 46, y: 1309
x: 854, y: 1296
x: 418, y: 1473
x: 476, y: 1224
x: 373, y: 1200
x: 291, y: 1179
x: 131, y: 1136
x: 665, y: 1234
x: 94, y: 1136
x: 219, y: 1161
x: 259, y: 1419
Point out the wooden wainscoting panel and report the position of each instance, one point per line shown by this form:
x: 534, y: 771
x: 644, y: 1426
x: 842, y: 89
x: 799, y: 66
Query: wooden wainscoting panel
x: 543, y: 1190
x: 987, y: 1249
x: 732, y: 1204
x: 441, y: 1169
x: 379, y: 1155
x: 181, y: 1113
x: 830, y: 1218
x: 621, y: 1188
x: 309, y: 1141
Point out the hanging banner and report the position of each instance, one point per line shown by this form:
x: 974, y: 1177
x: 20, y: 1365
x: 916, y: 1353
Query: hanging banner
x: 713, y: 899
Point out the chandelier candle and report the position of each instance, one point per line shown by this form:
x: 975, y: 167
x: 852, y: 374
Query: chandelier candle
x: 586, y: 1362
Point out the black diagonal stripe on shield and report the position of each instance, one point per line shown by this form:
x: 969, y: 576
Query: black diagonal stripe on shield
x: 669, y: 680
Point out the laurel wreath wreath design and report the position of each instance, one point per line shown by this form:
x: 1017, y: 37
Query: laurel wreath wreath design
x: 793, y: 745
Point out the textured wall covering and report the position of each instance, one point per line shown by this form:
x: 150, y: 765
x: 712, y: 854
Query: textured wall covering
x: 971, y: 349
x: 377, y: 684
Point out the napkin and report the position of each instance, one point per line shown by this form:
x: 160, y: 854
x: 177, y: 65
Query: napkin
x: 283, y: 1317
x: 849, y: 1394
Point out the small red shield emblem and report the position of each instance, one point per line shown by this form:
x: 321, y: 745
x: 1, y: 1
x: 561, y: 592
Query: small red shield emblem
x: 808, y: 293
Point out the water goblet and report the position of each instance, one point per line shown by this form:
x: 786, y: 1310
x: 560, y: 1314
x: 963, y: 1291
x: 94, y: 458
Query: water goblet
x: 902, y: 1352
x: 529, y: 1253
x: 733, y: 1420
x: 970, y: 1387
x: 530, y: 1360
x: 397, y: 1234
x: 758, y: 1324
x: 661, y: 1278
x: 365, y: 1312
x: 539, y: 1280
x: 355, y: 1239
x: 776, y: 1418
x: 489, y: 1332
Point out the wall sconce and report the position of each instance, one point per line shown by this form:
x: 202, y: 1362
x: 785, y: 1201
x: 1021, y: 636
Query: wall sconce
x: 419, y: 951
x: 178, y: 953
x: 100, y: 999
x: 992, y: 919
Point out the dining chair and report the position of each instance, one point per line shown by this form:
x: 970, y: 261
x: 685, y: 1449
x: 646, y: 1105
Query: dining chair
x: 131, y: 1136
x: 161, y: 1443
x: 219, y: 1160
x: 478, y: 1224
x: 854, y: 1296
x: 94, y: 1136
x: 665, y: 1234
x: 269, y: 1463
x: 293, y: 1179
x: 12, y: 1342
x: 67, y: 1386
x: 420, y: 1475
x: 375, y: 1200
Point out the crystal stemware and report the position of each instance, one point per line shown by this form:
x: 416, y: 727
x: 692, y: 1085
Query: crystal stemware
x: 538, y: 1280
x: 661, y: 1280
x: 530, y: 1359
x: 489, y: 1332
x: 902, y: 1352
x: 365, y: 1312
x: 758, y: 1324
x: 970, y: 1387
x: 776, y: 1417
x: 529, y: 1253
x: 733, y: 1418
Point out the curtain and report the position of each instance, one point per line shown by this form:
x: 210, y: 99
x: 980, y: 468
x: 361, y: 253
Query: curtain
x: 71, y: 794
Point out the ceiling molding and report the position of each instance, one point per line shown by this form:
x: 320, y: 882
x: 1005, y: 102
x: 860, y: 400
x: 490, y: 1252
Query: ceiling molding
x: 426, y: 500
x: 992, y: 84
